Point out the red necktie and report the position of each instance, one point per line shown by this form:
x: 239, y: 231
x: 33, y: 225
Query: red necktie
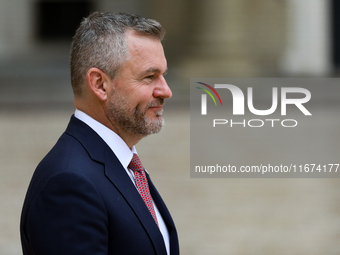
x: 142, y: 184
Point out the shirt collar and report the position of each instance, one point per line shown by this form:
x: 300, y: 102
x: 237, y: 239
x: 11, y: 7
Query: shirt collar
x: 114, y: 141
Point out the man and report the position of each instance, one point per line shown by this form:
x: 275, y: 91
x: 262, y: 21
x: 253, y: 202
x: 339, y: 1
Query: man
x: 90, y: 194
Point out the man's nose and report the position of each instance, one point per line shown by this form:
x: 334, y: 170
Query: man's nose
x: 162, y: 89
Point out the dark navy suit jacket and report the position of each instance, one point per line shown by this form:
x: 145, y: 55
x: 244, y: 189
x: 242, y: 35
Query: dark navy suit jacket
x: 81, y: 201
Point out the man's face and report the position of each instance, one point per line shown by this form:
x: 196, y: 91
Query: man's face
x: 139, y: 88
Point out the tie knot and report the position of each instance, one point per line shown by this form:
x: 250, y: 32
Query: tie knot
x: 136, y: 164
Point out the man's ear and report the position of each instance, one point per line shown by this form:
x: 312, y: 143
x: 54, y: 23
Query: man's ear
x: 98, y: 83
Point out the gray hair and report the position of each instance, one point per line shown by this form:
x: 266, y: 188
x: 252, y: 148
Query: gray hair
x: 100, y: 42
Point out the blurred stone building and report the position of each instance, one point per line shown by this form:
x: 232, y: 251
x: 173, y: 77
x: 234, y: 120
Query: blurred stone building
x: 215, y: 38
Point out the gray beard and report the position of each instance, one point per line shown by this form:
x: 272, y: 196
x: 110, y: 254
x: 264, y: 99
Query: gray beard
x: 137, y: 122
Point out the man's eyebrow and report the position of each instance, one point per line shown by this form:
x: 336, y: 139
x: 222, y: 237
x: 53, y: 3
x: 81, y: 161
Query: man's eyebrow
x: 154, y: 70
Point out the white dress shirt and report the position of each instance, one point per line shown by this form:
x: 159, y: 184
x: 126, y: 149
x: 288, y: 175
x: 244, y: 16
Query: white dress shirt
x: 124, y: 155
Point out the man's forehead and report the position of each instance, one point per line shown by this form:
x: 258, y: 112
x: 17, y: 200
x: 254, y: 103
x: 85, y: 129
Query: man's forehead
x: 136, y: 39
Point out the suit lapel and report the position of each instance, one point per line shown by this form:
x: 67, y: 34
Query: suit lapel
x: 119, y: 178
x: 115, y: 172
x: 174, y: 245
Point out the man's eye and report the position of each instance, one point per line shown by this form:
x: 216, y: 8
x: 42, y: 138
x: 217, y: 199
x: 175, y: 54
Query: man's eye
x: 150, y: 77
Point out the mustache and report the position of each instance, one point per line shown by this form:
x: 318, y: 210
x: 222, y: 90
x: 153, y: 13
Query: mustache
x: 158, y: 101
